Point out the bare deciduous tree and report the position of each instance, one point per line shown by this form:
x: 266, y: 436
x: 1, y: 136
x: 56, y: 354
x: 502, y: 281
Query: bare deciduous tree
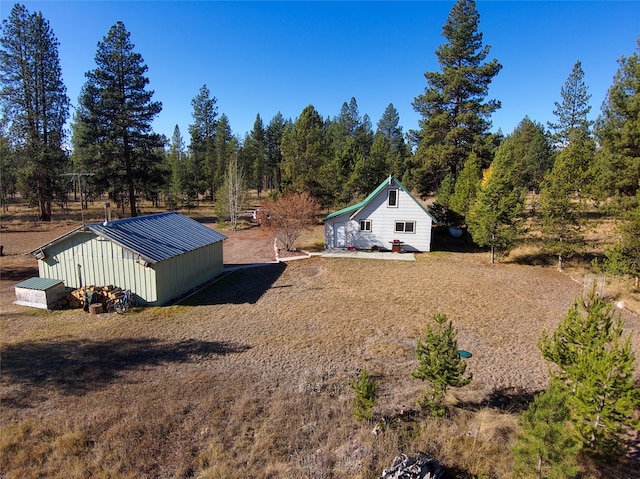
x: 231, y: 198
x: 291, y: 214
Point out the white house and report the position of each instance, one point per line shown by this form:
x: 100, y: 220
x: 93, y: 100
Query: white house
x: 390, y: 217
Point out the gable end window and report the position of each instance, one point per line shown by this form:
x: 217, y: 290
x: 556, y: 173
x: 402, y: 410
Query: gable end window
x: 392, y: 199
x: 365, y: 225
x: 405, y: 227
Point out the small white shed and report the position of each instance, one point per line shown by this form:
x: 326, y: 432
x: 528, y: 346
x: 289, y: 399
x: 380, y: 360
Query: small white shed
x: 41, y: 293
x: 390, y: 218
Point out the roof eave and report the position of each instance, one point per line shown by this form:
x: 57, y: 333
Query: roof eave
x: 79, y: 229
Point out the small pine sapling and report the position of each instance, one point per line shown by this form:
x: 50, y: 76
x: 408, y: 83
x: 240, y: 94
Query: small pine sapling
x: 596, y: 365
x: 366, y: 389
x: 439, y: 363
x: 546, y: 447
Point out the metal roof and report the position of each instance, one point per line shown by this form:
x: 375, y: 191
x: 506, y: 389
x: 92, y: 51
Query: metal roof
x: 40, y: 284
x: 381, y: 187
x: 154, y: 237
x: 158, y: 237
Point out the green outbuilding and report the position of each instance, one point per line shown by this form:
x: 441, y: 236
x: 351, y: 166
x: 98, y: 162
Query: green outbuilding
x: 158, y: 257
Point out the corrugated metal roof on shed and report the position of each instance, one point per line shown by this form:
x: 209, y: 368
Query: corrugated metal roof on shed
x: 158, y: 237
x: 39, y: 284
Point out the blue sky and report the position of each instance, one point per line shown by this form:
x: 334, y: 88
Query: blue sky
x: 265, y: 57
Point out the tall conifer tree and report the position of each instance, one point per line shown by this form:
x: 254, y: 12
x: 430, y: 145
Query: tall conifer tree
x: 455, y: 114
x: 399, y: 153
x: 304, y: 150
x: 255, y: 148
x: 273, y: 138
x: 34, y: 99
x: 116, y: 111
x: 618, y: 131
x: 562, y: 209
x: 203, y: 139
x: 572, y: 112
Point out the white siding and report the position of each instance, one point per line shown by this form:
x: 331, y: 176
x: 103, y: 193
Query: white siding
x: 383, y: 219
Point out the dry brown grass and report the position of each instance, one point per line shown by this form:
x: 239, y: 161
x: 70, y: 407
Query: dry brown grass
x: 250, y: 378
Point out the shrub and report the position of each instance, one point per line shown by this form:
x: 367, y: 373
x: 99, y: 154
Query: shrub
x: 365, y: 389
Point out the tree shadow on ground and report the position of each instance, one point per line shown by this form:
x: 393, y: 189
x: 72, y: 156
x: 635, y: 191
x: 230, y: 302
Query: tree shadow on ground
x: 18, y: 273
x: 76, y: 367
x: 441, y: 240
x: 507, y: 400
x: 244, y: 285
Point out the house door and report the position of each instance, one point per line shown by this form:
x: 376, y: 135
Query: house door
x: 339, y: 235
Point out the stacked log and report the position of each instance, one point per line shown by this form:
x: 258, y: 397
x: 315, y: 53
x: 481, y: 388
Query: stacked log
x: 76, y: 298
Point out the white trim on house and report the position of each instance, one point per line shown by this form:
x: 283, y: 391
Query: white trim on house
x: 348, y: 227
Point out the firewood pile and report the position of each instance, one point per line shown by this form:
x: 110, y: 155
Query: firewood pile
x: 76, y: 298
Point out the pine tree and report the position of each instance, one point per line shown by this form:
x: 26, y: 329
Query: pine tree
x: 545, y: 447
x: 439, y: 363
x: 225, y: 148
x: 455, y: 115
x: 304, y: 150
x: 596, y: 364
x: 179, y: 172
x: 618, y: 132
x: 466, y: 188
x: 530, y: 152
x: 273, y: 139
x: 572, y: 112
x: 203, y: 138
x: 365, y: 389
x: 116, y: 111
x: 399, y: 154
x: 389, y: 127
x: 8, y: 169
x: 562, y: 209
x: 338, y: 181
x: 623, y: 257
x: 35, y: 101
x: 369, y: 172
x: 495, y: 219
x: 255, y: 149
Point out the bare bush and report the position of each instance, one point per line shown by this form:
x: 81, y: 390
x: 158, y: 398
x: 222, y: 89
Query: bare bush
x: 290, y: 215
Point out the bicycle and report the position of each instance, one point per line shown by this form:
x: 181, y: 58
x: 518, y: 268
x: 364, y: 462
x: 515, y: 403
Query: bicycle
x: 121, y: 304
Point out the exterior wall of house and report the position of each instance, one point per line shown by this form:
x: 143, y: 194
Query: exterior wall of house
x: 180, y: 274
x: 102, y: 262
x: 383, y: 220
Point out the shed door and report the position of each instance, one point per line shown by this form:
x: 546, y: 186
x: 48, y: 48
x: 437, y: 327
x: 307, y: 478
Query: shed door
x: 339, y: 235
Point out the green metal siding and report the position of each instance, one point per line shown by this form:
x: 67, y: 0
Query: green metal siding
x: 101, y: 263
x: 179, y: 275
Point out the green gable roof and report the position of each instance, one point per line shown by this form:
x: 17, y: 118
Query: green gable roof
x: 358, y: 206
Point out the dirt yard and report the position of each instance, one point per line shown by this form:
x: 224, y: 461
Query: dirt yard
x: 229, y: 372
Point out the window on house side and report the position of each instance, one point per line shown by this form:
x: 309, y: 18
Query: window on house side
x: 393, y: 199
x: 365, y: 225
x: 405, y: 227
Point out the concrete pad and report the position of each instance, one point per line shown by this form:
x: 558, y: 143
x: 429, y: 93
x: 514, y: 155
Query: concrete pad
x: 387, y: 255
